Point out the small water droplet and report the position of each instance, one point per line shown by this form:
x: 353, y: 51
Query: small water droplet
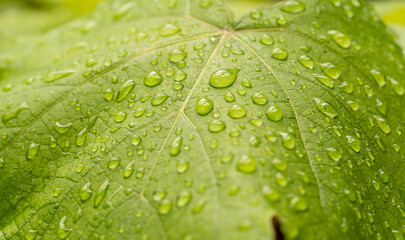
x: 354, y: 143
x: 113, y: 163
x: 255, y: 14
x: 216, y: 126
x: 165, y: 206
x: 159, y: 99
x: 177, y: 56
x: 184, y: 198
x: 324, y: 80
x: 5, y: 117
x: 334, y: 154
x: 299, y: 204
x: 378, y: 77
x: 128, y: 170
x: 382, y: 124
x: 270, y: 194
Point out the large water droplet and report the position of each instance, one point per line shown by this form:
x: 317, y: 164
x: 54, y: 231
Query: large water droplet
x: 216, y: 126
x: 32, y: 151
x: 266, y: 40
x: 63, y: 231
x: 62, y: 128
x: 159, y: 99
x: 354, y: 143
x: 169, y: 30
x: 299, y: 204
x: 259, y: 99
x: 14, y: 113
x: 246, y: 164
x: 101, y: 193
x: 223, y: 78
x: 382, y: 124
x: 279, y: 54
x: 153, y: 79
x: 274, y: 113
x: 85, y: 192
x: 334, y: 154
x: 270, y: 194
x: 340, y: 39
x: 378, y: 77
x: 184, y: 198
x: 288, y: 140
x: 165, y: 206
x: 293, y: 6
x: 324, y: 80
x: 53, y: 76
x: 306, y: 61
x: 175, y: 146
x: 177, y: 56
x: 237, y: 111
x: 31, y: 234
x: 125, y: 89
x: 331, y: 70
x: 204, y: 106
x: 325, y: 108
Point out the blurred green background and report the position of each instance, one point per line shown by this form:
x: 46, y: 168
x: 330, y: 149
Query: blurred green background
x: 24, y: 18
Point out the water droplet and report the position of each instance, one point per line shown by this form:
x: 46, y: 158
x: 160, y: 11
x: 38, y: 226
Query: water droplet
x: 177, y: 56
x: 334, y: 154
x: 113, y: 163
x: 14, y: 113
x: 229, y: 97
x: 223, y: 78
x: 398, y: 88
x: 125, y: 89
x: 397, y: 235
x: 31, y: 234
x: 81, y: 136
x: 324, y: 80
x: 53, y: 76
x: 340, y: 39
x: 237, y: 111
x: 120, y: 116
x: 62, y: 128
x: 169, y: 30
x: 255, y: 14
x: 378, y: 77
x: 184, y: 198
x: 159, y: 195
x: 205, y: 3
x: 153, y: 79
x: 165, y: 206
x: 179, y: 76
x: 279, y: 164
x: 306, y: 61
x: 281, y: 180
x: 32, y: 151
x: 266, y: 40
x: 279, y: 54
x: 270, y: 194
x: 216, y: 126
x: 101, y: 193
x: 246, y: 164
x: 293, y: 6
x: 331, y: 70
x: 128, y: 170
x: 204, y: 106
x: 259, y: 99
x: 298, y: 204
x: 85, y: 192
x: 353, y: 105
x: 288, y: 140
x: 382, y: 124
x: 354, y: 143
x: 325, y: 108
x: 175, y: 146
x: 108, y: 94
x: 274, y: 113
x: 63, y: 231
x: 159, y: 99
x: 182, y: 166
x: 136, y: 140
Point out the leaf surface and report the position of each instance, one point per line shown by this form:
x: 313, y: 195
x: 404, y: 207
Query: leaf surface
x: 170, y: 120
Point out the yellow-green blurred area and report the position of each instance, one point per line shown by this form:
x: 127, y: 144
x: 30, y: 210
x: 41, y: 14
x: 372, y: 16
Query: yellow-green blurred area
x: 22, y: 18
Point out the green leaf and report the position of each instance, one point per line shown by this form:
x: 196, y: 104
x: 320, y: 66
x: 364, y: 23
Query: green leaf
x: 171, y: 120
